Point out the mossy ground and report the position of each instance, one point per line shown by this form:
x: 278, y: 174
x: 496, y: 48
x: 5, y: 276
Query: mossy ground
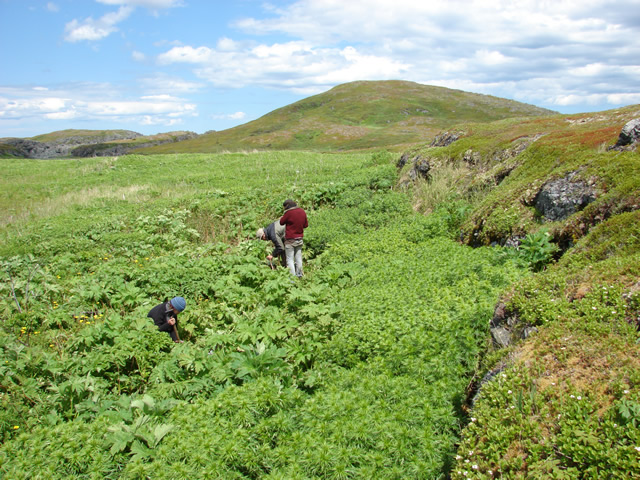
x: 567, y: 404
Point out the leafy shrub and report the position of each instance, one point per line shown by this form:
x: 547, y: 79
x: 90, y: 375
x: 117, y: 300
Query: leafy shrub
x: 536, y: 250
x: 357, y: 370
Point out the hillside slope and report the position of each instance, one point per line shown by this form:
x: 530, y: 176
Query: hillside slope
x: 355, y: 116
x: 564, y: 399
x: 359, y: 115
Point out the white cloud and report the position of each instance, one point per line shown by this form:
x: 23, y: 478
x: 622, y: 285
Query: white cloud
x: 160, y: 83
x: 149, y: 120
x: 63, y: 115
x: 151, y: 4
x: 497, y: 46
x: 623, y: 98
x: 140, y: 107
x: 52, y: 7
x: 491, y: 57
x: 297, y: 66
x: 78, y: 102
x: 90, y: 29
x: 232, y: 116
x: 138, y: 56
x: 185, y: 54
x: 596, y: 99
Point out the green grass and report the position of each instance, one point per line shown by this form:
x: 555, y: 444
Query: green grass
x: 566, y: 404
x: 361, y: 370
x: 274, y: 378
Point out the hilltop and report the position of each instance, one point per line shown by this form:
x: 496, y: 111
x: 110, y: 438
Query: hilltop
x: 364, y: 115
x: 390, y: 114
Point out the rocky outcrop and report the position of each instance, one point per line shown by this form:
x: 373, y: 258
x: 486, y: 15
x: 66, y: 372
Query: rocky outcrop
x: 104, y: 143
x: 471, y: 158
x: 33, y: 149
x: 506, y: 327
x: 445, y: 139
x: 63, y: 146
x: 101, y: 150
x: 561, y: 198
x: 402, y: 161
x: 420, y: 169
x: 117, y: 149
x: 629, y: 136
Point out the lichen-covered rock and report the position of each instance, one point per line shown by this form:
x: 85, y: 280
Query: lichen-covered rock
x: 420, y: 169
x: 507, y: 328
x: 561, y: 198
x: 445, y: 139
x: 471, y: 158
x: 629, y: 136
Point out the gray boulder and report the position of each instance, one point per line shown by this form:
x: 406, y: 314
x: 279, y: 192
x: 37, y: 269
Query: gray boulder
x: 445, y: 139
x: 629, y: 136
x: 421, y: 168
x: 561, y: 198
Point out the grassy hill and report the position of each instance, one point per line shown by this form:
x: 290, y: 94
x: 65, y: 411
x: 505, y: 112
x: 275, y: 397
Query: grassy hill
x: 394, y: 115
x: 358, y: 115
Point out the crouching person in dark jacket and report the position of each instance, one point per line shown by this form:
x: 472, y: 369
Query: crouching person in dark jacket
x: 165, y: 316
x: 274, y: 232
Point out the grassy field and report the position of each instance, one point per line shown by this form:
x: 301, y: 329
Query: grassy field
x: 327, y: 377
x: 368, y: 367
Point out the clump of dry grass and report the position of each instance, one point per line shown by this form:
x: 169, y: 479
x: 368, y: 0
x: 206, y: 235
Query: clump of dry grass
x: 50, y: 206
x: 448, y: 182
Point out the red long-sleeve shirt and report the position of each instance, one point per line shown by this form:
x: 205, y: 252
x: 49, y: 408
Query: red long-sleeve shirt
x: 296, y: 221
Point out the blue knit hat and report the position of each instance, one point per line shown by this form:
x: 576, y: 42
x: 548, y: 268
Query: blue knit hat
x: 178, y: 303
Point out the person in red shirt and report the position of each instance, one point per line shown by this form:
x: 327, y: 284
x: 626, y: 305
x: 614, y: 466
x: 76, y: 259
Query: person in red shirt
x: 295, y: 221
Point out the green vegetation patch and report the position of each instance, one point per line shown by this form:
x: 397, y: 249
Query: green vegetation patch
x: 325, y: 377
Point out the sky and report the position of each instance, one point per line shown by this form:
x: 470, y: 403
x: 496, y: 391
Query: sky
x: 156, y: 66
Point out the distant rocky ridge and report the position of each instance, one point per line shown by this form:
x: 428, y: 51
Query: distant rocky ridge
x: 84, y: 143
